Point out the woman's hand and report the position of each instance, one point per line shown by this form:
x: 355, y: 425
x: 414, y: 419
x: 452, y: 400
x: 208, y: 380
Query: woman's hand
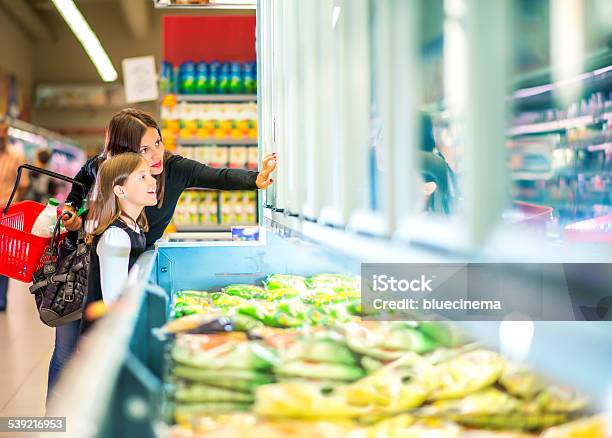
x: 263, y: 178
x: 74, y: 222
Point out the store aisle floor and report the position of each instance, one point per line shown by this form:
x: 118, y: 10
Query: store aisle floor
x: 25, y: 349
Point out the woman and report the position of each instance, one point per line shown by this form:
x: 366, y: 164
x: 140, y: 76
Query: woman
x: 132, y: 130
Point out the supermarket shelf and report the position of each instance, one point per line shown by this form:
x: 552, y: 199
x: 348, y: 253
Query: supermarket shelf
x: 216, y: 98
x: 230, y: 142
x: 597, y: 61
x: 586, y: 145
x: 203, y: 228
x: 532, y: 176
x: 587, y: 173
x: 21, y: 130
x: 196, y: 236
x: 558, y: 125
x: 562, y: 204
x: 208, y: 227
x: 537, y: 176
x: 220, y: 5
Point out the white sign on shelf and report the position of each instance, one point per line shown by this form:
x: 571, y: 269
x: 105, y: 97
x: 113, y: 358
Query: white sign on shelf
x: 140, y: 79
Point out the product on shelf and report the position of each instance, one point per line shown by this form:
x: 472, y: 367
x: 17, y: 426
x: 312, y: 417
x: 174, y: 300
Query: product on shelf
x: 238, y: 157
x: 209, y: 78
x: 252, y: 158
x: 561, y: 158
x: 209, y: 121
x: 206, y: 208
x: 238, y: 207
x: 197, y: 207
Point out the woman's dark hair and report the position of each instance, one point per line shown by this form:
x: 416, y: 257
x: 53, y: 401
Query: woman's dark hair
x: 124, y: 134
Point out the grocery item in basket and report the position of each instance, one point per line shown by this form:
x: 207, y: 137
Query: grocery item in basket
x: 467, y: 374
x: 45, y: 222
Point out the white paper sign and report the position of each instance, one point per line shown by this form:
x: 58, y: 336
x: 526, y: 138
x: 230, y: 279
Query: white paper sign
x: 140, y: 79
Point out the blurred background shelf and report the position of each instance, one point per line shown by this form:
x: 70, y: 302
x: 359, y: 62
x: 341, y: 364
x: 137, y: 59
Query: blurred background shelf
x: 207, y: 142
x: 204, y: 98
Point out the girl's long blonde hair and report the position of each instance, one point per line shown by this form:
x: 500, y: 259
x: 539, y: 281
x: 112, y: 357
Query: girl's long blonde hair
x: 105, y: 207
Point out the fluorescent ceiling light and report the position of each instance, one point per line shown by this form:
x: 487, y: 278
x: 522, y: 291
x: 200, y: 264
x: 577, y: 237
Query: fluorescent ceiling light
x: 88, y: 39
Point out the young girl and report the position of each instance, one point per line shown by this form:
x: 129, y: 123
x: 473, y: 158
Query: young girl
x: 117, y: 224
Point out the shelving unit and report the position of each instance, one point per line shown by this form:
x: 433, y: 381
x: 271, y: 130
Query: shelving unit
x: 213, y: 98
x: 210, y: 128
x: 203, y: 228
x: 559, y: 125
x: 204, y: 142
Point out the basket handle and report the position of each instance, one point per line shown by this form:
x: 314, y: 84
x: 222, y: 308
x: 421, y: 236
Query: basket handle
x: 39, y: 170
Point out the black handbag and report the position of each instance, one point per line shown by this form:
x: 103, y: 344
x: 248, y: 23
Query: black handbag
x: 60, y: 286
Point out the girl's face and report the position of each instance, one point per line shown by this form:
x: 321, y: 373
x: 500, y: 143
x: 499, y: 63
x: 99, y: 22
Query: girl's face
x: 140, y: 187
x: 152, y: 150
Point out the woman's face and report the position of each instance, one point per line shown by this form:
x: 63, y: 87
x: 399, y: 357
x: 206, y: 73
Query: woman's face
x: 152, y: 150
x: 140, y: 188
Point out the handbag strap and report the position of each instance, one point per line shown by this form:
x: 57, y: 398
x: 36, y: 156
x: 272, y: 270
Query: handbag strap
x: 58, y: 278
x: 56, y: 233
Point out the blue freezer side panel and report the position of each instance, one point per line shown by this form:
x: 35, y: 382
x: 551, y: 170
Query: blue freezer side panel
x: 212, y: 267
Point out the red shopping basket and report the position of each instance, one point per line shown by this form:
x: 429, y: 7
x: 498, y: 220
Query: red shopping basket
x: 21, y: 252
